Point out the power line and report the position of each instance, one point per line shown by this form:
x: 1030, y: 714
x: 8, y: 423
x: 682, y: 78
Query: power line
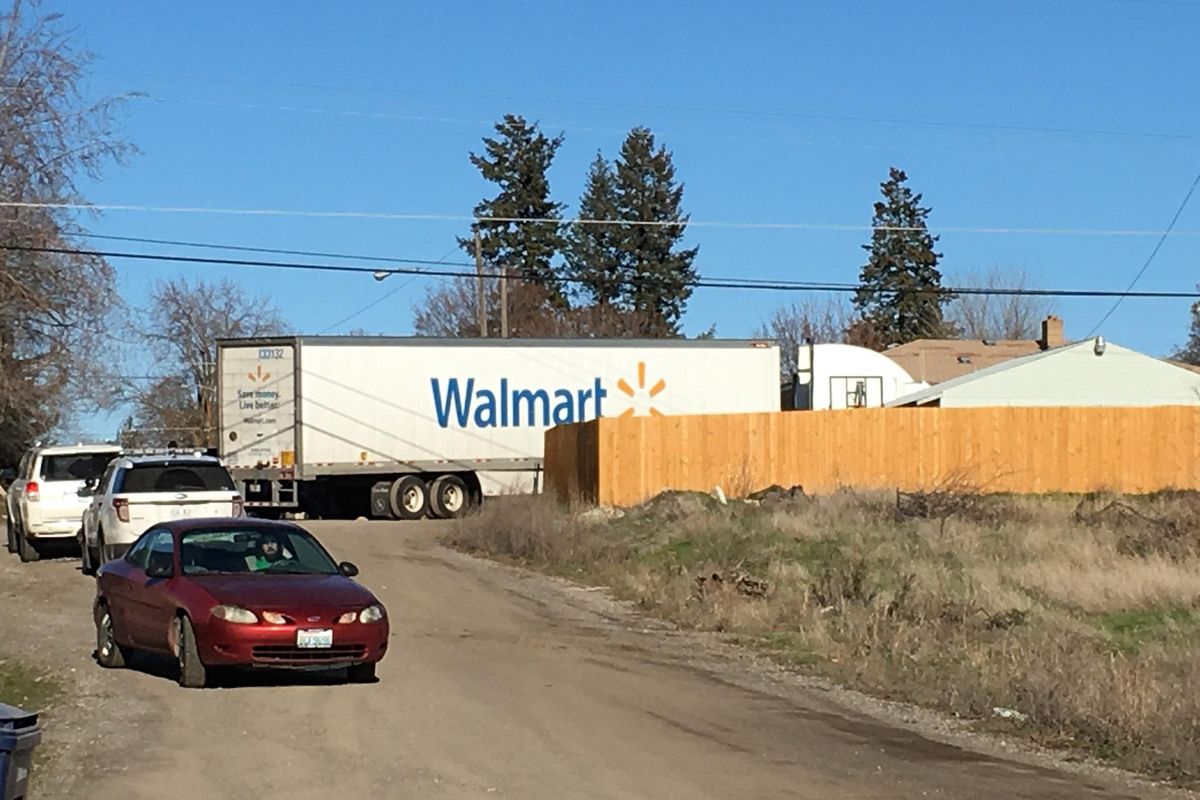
x: 751, y: 284
x: 1153, y: 253
x: 274, y: 250
x: 381, y: 299
x: 430, y: 217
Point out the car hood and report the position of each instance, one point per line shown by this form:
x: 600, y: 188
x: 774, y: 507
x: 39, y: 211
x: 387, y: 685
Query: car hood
x: 285, y: 591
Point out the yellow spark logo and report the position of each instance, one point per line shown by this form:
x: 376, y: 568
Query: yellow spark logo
x: 632, y: 393
x: 260, y: 376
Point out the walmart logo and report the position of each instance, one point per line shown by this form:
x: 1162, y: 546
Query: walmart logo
x: 468, y: 402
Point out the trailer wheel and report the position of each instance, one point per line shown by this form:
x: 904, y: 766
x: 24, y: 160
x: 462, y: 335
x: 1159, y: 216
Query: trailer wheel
x: 409, y: 497
x: 448, y: 497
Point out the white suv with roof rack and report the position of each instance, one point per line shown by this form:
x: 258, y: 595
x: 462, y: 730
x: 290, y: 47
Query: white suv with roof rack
x: 136, y: 492
x: 44, y: 500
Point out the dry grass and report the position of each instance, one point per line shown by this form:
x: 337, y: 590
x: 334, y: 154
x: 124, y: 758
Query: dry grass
x: 1039, y: 605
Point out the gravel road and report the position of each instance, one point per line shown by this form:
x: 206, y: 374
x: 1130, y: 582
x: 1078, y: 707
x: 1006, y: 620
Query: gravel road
x: 497, y: 684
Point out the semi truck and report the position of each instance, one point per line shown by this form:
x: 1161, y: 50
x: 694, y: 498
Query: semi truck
x: 411, y: 427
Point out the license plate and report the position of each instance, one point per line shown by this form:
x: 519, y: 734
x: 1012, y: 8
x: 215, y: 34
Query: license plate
x: 314, y: 639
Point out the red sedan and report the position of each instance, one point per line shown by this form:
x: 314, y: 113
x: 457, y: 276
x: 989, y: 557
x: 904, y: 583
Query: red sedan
x: 221, y: 593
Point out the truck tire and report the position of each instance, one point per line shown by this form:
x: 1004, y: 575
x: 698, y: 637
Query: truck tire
x: 409, y: 498
x: 449, y: 497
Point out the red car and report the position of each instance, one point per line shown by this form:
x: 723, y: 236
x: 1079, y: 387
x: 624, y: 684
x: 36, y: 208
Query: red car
x: 239, y: 592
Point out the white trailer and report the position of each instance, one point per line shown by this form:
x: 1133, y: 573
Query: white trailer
x: 413, y: 427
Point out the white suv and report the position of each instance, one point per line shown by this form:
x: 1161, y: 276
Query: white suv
x: 45, y: 500
x: 136, y: 492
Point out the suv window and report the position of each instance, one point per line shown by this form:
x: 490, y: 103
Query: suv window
x: 23, y: 468
x: 174, y: 478
x: 76, y: 467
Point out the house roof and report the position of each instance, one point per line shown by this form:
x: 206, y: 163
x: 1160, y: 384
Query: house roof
x: 935, y: 392
x: 939, y: 360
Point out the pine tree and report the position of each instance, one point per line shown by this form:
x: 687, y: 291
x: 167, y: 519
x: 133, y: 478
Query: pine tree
x: 899, y: 294
x: 1190, y: 352
x: 593, y: 252
x: 516, y: 160
x: 659, y: 276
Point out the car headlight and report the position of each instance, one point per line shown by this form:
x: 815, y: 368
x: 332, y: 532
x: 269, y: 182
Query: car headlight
x: 274, y: 618
x: 235, y: 614
x: 371, y: 614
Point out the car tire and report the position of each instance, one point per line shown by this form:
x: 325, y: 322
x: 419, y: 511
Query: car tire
x: 89, y: 557
x: 10, y: 534
x: 449, y: 497
x: 192, y: 673
x: 409, y: 498
x: 109, y: 653
x: 361, y: 673
x: 26, y: 549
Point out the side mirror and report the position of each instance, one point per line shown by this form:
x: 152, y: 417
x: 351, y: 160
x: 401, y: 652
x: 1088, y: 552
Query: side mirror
x: 159, y: 570
x: 348, y: 569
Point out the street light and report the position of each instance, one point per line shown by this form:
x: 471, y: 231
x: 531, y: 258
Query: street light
x: 380, y: 274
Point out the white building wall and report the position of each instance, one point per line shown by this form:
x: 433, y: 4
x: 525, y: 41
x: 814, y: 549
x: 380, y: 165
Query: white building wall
x: 1076, y: 376
x: 847, y: 376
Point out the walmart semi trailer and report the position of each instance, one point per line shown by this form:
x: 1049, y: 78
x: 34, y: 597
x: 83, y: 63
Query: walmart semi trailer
x: 416, y: 427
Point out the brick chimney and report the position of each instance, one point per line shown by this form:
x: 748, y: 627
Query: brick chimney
x: 1052, y: 333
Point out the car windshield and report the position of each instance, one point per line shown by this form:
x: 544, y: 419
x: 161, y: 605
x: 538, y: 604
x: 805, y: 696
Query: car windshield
x: 176, y: 477
x: 254, y: 551
x: 75, y: 467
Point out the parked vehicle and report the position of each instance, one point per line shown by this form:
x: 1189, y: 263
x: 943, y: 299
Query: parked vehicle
x: 414, y: 427
x: 136, y: 492
x: 44, y: 503
x: 237, y: 593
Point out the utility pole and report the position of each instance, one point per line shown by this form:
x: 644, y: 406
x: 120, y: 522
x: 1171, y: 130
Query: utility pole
x: 504, y: 302
x: 479, y: 285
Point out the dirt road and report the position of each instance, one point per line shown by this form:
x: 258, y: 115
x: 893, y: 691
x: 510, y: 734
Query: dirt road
x: 497, y: 684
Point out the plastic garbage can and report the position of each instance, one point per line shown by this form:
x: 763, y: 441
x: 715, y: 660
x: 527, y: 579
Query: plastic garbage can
x: 19, y: 734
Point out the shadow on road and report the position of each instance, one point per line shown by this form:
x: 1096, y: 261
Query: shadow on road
x: 167, y: 669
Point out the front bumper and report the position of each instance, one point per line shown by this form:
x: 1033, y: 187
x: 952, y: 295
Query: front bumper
x: 223, y: 644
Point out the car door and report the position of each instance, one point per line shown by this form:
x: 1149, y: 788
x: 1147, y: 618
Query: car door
x: 118, y: 582
x: 141, y: 589
x: 91, y: 516
x: 155, y: 602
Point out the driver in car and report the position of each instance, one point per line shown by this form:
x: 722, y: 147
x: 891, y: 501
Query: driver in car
x: 270, y: 551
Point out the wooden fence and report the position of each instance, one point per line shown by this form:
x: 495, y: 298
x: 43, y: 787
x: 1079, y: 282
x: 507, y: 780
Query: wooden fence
x: 623, y: 461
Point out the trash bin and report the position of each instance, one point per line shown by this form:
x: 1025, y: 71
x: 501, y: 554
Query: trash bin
x: 19, y: 734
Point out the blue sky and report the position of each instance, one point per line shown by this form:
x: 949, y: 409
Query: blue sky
x: 1059, y: 114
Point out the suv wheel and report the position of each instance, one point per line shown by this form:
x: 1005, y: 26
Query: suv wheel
x: 26, y: 549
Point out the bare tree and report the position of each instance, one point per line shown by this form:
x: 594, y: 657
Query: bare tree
x: 54, y: 305
x: 451, y: 310
x: 998, y: 316
x: 1190, y: 352
x: 813, y: 321
x: 183, y: 323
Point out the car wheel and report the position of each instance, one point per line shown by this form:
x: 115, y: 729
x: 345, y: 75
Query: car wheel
x: 362, y: 673
x: 26, y: 549
x: 109, y: 653
x: 192, y: 674
x: 448, y: 497
x: 10, y: 534
x: 409, y: 498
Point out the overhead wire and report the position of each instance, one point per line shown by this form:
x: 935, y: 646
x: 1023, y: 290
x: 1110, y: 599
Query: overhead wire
x: 690, y: 223
x: 700, y: 282
x: 1158, y: 246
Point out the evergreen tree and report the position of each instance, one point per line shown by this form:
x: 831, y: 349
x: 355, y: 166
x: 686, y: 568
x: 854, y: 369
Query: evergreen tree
x: 899, y: 293
x: 1190, y: 352
x: 593, y: 252
x: 659, y: 276
x: 516, y: 160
